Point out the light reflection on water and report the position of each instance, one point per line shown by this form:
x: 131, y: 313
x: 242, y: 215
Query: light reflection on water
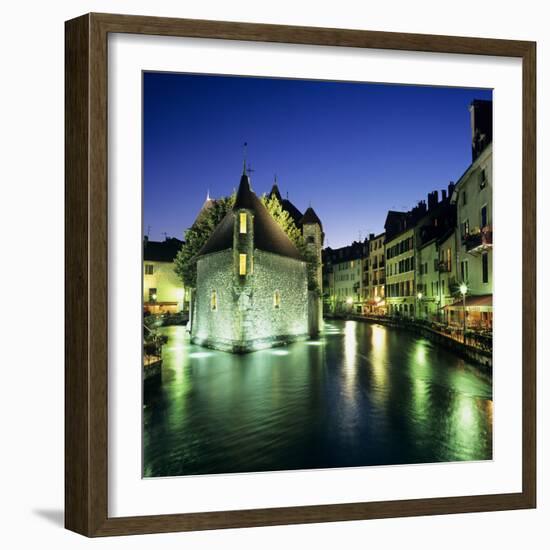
x: 360, y: 395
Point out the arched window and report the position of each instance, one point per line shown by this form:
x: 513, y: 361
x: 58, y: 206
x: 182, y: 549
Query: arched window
x: 214, y: 301
x: 276, y: 299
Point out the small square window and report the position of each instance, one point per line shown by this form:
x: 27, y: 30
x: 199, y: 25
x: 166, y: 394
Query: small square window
x: 149, y: 269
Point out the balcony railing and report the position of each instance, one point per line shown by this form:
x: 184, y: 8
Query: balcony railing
x: 479, y: 241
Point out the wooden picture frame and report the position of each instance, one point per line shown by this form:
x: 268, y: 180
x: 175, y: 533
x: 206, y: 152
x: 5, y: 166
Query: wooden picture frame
x: 86, y: 280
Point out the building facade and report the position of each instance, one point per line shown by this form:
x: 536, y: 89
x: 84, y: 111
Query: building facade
x: 375, y: 296
x: 436, y: 278
x: 400, y: 274
x: 252, y: 286
x: 473, y: 197
x: 343, y: 272
x: 163, y: 290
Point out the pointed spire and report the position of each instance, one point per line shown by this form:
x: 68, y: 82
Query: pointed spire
x: 208, y: 195
x: 275, y: 190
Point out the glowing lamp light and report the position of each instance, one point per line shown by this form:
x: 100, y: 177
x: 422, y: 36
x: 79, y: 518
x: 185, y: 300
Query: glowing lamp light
x: 154, y: 296
x: 463, y: 289
x: 349, y: 300
x: 279, y: 352
x: 419, y: 295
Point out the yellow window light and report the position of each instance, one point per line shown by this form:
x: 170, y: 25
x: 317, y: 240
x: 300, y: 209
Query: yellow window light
x: 242, y: 222
x: 214, y: 301
x: 242, y: 264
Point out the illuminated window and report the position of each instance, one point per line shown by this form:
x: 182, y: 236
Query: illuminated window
x: 276, y: 299
x: 149, y: 269
x: 242, y: 222
x: 242, y: 264
x: 214, y: 301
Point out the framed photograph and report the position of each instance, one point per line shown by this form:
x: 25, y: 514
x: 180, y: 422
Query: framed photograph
x: 300, y: 280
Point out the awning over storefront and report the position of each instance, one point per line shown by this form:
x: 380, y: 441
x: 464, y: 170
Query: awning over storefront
x: 479, y: 303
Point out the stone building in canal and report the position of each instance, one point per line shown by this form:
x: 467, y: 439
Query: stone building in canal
x: 252, y: 285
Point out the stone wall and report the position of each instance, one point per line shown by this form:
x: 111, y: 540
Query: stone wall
x: 214, y: 272
x: 246, y: 317
x: 288, y: 276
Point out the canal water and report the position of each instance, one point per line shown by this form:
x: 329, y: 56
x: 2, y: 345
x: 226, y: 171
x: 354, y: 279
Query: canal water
x: 360, y: 395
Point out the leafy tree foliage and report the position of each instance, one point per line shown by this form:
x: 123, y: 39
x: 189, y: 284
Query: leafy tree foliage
x: 283, y: 218
x: 197, y: 235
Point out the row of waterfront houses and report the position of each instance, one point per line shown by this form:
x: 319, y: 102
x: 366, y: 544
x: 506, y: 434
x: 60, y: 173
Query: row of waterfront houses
x: 433, y: 262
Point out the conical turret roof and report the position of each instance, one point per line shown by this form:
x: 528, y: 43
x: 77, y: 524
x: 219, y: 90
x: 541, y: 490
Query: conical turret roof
x: 268, y: 235
x: 310, y: 217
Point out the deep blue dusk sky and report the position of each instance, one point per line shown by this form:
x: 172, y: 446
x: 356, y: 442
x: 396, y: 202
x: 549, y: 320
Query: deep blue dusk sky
x: 351, y: 150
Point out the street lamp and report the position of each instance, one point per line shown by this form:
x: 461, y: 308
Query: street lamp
x: 463, y: 291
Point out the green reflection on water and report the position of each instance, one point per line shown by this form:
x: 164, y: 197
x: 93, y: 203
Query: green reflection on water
x: 361, y: 394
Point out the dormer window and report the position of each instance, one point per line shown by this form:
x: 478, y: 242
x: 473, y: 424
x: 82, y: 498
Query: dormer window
x: 242, y: 222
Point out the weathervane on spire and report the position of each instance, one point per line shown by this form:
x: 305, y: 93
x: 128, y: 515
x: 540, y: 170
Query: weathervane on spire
x: 247, y: 169
x: 245, y: 151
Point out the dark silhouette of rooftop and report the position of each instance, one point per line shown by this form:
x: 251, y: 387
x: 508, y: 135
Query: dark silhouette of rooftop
x: 161, y: 251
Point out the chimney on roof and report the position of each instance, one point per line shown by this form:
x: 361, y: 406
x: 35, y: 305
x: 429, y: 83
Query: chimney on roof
x: 443, y: 195
x: 451, y: 188
x: 433, y: 199
x: 481, y: 123
x: 422, y: 207
x: 371, y: 236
